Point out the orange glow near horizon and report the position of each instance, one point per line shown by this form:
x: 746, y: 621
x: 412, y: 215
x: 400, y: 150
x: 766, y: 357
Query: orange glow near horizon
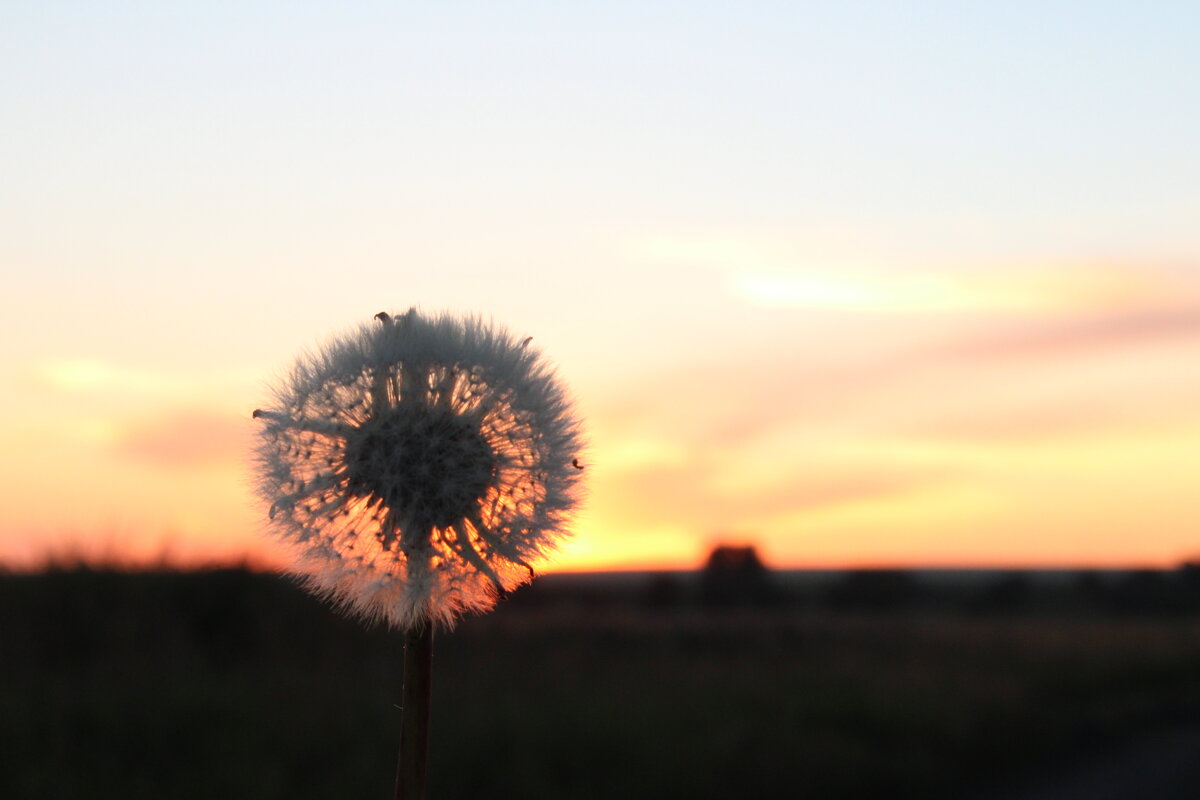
x: 997, y: 459
x: 1061, y: 443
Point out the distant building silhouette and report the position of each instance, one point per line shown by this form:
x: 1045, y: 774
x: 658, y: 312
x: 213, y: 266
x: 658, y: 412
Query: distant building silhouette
x: 736, y: 576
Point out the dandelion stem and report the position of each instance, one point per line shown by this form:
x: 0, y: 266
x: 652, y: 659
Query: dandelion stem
x: 414, y: 724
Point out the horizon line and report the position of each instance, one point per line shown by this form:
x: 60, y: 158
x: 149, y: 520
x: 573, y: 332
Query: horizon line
x: 263, y: 566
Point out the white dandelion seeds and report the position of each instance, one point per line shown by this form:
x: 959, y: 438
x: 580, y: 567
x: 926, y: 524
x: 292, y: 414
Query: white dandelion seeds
x: 418, y: 466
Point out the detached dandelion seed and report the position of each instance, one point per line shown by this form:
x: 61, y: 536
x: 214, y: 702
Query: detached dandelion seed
x: 418, y: 466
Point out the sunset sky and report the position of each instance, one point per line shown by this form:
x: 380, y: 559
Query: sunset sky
x: 860, y: 283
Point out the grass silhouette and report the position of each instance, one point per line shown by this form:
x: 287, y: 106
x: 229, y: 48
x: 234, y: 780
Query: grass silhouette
x: 235, y: 683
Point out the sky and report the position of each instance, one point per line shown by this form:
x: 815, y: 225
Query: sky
x: 861, y: 284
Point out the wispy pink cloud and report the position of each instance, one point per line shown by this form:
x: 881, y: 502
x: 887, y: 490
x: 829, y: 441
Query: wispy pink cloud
x: 1064, y: 337
x: 187, y: 439
x: 1007, y: 376
x: 692, y: 493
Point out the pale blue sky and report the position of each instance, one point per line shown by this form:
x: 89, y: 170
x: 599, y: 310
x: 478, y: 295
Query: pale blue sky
x: 1063, y: 126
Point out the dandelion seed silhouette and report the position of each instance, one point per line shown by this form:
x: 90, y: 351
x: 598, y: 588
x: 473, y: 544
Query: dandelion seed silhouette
x: 418, y: 466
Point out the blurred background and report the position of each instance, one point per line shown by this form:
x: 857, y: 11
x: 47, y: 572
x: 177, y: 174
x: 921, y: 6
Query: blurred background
x: 896, y: 308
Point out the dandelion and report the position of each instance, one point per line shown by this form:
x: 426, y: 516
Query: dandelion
x: 419, y: 466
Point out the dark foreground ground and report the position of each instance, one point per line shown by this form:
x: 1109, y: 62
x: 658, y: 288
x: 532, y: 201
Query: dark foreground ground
x: 235, y: 684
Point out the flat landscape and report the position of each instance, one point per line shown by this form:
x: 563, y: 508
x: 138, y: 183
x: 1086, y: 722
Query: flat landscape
x: 231, y: 683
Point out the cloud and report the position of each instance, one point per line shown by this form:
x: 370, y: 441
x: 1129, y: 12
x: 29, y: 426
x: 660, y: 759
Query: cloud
x: 1011, y: 384
x: 96, y: 378
x: 1024, y: 289
x: 1072, y: 336
x: 813, y: 492
x: 717, y: 404
x: 1034, y: 424
x: 88, y: 374
x: 187, y: 440
x: 693, y: 494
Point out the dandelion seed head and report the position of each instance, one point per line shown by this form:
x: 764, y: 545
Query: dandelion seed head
x: 418, y: 465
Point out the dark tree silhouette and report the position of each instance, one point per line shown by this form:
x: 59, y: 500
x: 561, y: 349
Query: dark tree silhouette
x: 736, y: 576
x: 875, y: 590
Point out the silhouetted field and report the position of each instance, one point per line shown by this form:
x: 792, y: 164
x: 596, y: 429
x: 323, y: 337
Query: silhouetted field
x: 235, y: 684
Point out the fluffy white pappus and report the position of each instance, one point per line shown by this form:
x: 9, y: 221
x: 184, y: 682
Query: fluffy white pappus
x: 418, y: 465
